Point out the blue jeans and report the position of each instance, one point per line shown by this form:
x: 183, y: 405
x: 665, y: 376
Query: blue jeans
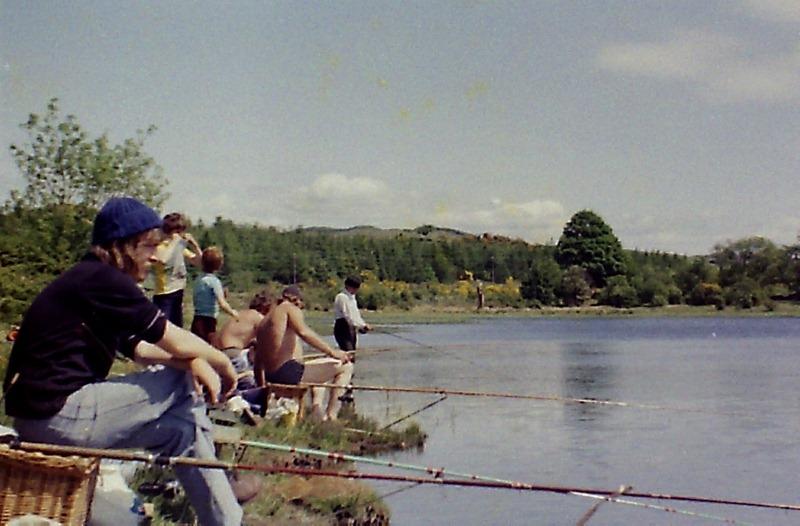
x: 158, y: 411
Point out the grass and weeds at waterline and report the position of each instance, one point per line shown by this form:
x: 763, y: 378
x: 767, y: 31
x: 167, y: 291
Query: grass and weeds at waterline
x: 289, y: 499
x: 321, y: 320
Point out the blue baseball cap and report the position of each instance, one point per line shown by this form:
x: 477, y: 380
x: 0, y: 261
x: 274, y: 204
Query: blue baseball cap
x: 123, y: 217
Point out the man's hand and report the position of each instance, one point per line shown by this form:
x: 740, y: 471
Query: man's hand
x: 228, y: 377
x: 342, y: 356
x: 259, y: 373
x: 366, y: 328
x: 190, y: 239
x: 204, y: 376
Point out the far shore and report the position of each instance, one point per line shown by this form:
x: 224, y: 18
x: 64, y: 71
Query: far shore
x: 433, y: 314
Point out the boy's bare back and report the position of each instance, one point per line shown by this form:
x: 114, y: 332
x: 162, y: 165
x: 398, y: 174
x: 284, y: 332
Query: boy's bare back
x: 239, y: 333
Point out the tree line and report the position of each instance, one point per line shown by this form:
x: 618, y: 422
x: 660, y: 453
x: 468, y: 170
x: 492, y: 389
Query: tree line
x: 68, y: 175
x: 587, y: 265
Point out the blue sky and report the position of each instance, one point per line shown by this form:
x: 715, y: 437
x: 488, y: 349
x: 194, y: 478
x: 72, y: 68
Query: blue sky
x: 677, y: 121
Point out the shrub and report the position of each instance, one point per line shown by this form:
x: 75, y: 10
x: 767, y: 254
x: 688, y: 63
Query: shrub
x: 674, y: 295
x: 744, y: 294
x: 707, y: 294
x: 619, y: 293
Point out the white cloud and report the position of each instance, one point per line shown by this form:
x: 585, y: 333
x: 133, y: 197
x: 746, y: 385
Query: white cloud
x: 775, y: 78
x: 342, y: 189
x: 720, y: 67
x: 777, y: 10
x: 335, y: 199
x: 536, y: 220
x: 650, y: 232
x: 697, y: 232
x: 341, y: 201
x: 686, y: 56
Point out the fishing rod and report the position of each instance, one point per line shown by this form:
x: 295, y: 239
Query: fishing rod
x: 312, y: 356
x: 591, y: 511
x: 160, y: 460
x: 669, y: 509
x: 442, y: 472
x: 489, y: 394
x: 344, y: 457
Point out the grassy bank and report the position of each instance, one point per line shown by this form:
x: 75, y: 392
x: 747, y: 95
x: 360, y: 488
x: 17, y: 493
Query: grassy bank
x: 321, y: 319
x: 291, y: 499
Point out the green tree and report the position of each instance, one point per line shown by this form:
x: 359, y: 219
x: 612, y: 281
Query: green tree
x: 651, y: 285
x: 791, y: 272
x: 744, y: 294
x: 67, y: 177
x: 542, y: 282
x: 755, y: 258
x: 63, y: 166
x: 442, y: 266
x: 575, y: 289
x: 698, y: 271
x: 619, y: 293
x: 588, y: 242
x: 707, y: 294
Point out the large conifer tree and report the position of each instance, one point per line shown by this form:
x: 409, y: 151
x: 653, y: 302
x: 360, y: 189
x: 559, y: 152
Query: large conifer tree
x: 588, y: 242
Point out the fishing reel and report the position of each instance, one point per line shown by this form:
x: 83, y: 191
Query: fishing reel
x: 347, y: 397
x: 168, y: 489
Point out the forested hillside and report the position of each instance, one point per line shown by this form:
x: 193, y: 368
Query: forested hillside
x: 68, y: 175
x: 586, y: 265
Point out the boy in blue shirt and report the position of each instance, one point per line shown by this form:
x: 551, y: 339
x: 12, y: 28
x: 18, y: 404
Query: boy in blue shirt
x: 209, y: 296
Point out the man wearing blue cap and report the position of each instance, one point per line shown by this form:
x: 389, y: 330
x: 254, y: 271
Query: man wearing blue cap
x: 56, y: 387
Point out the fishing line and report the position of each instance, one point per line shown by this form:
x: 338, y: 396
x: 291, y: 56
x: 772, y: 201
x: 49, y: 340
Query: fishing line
x: 543, y: 398
x: 409, y: 415
x: 10, y: 385
x: 406, y: 339
x: 485, y: 366
x: 430, y: 347
x: 397, y: 491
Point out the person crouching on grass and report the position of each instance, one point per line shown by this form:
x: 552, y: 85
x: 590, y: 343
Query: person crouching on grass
x: 56, y: 387
x: 237, y: 337
x: 279, y: 354
x: 209, y: 297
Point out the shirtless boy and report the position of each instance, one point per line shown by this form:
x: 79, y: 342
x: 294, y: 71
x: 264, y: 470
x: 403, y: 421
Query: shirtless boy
x: 279, y: 354
x: 237, y: 338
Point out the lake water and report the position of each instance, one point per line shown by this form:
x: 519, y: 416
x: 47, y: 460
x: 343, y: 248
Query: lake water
x: 744, y: 373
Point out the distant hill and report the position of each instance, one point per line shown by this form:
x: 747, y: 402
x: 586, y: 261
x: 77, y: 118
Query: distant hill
x: 421, y: 232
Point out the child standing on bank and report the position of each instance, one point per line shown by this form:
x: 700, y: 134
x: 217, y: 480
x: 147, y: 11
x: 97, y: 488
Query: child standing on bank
x: 209, y: 296
x: 169, y: 269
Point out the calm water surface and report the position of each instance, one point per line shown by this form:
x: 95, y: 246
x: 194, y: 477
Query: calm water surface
x: 744, y: 372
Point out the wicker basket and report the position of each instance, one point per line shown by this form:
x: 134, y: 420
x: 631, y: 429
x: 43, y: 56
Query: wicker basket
x: 51, y: 486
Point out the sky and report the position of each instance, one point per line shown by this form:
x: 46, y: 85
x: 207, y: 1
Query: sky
x: 678, y: 122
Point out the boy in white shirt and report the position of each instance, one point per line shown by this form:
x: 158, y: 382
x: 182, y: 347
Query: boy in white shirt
x: 347, y: 318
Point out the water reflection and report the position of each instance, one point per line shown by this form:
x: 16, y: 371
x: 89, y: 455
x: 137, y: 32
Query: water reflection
x: 674, y: 362
x: 588, y: 371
